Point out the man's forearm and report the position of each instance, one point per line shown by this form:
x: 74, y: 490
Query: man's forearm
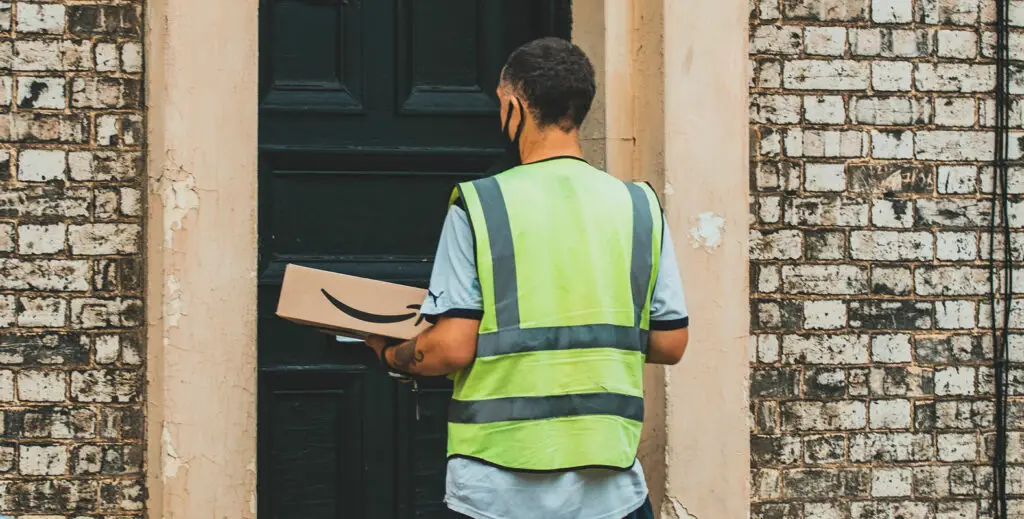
x: 420, y: 355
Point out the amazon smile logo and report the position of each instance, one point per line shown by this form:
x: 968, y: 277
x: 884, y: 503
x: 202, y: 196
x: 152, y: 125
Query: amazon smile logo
x: 371, y: 317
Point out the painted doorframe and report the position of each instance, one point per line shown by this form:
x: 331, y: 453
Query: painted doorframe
x: 672, y: 109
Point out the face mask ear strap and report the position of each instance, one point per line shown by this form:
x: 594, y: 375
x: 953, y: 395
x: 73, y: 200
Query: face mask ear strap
x: 508, y: 119
x: 522, y: 119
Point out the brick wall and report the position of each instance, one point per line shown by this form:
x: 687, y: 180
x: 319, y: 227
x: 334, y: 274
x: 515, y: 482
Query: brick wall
x: 871, y: 395
x: 71, y: 375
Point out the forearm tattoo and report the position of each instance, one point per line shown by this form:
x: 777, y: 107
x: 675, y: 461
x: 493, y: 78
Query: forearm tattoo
x: 407, y: 356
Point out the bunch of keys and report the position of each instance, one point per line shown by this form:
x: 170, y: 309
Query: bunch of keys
x: 415, y: 389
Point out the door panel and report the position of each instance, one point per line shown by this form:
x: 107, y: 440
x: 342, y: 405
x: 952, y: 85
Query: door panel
x: 370, y: 112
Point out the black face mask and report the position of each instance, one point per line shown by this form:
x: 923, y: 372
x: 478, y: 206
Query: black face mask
x: 511, y: 157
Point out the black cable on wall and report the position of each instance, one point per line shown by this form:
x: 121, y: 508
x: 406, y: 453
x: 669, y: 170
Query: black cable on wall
x: 1000, y: 272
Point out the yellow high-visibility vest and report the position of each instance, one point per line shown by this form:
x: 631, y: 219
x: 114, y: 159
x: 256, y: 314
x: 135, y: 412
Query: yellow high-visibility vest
x: 567, y: 256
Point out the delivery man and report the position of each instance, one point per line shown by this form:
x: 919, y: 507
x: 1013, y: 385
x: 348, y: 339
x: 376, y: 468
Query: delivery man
x: 553, y: 284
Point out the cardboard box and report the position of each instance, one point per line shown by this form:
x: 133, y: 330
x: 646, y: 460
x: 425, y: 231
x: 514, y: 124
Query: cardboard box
x: 351, y: 306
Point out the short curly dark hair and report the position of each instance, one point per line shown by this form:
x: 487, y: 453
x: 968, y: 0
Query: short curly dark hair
x: 557, y: 80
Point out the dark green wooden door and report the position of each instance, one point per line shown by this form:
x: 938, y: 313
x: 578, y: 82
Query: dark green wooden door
x: 370, y: 112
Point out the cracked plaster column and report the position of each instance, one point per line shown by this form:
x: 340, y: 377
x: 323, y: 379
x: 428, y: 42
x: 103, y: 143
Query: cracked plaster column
x: 201, y: 264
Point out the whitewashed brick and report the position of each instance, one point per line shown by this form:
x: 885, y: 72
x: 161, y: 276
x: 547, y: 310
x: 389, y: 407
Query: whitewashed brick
x: 131, y: 201
x: 892, y: 11
x: 6, y: 237
x: 6, y: 387
x: 824, y: 416
x: 898, y: 446
x: 824, y: 109
x: 891, y: 245
x: 892, y: 213
x: 54, y: 55
x: 107, y: 59
x: 826, y: 75
x: 41, y: 239
x: 891, y: 482
x: 826, y: 143
x: 826, y: 211
x: 770, y: 143
x: 955, y: 111
x: 892, y: 144
x: 775, y: 109
x: 824, y: 177
x: 49, y: 312
x: 768, y: 279
x: 770, y: 209
x: 954, y: 77
x: 824, y: 279
x: 957, y: 446
x: 44, y: 18
x: 785, y: 244
x: 957, y: 510
x: 774, y: 39
x: 890, y: 414
x: 826, y: 511
x: 824, y: 315
x: 7, y: 311
x: 43, y: 460
x: 890, y: 110
x: 955, y: 146
x: 42, y: 92
x: 907, y: 44
x: 952, y: 212
x: 891, y: 76
x: 890, y: 348
x: 107, y: 348
x: 768, y: 348
x: 958, y: 44
x: 958, y: 380
x: 1016, y: 17
x: 104, y: 238
x: 866, y: 42
x: 951, y: 281
x: 825, y: 41
x: 954, y: 315
x: 825, y: 349
x: 41, y: 165
x: 131, y: 57
x: 770, y: 75
x: 956, y: 246
x: 950, y: 12
x: 826, y: 10
x: 41, y: 386
x: 958, y: 179
x: 106, y: 130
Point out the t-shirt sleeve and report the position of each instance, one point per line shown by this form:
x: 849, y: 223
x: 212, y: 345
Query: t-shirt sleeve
x: 668, y: 304
x: 454, y: 284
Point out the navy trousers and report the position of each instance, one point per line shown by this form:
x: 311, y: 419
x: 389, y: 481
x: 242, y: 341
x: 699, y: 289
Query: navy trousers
x: 646, y: 511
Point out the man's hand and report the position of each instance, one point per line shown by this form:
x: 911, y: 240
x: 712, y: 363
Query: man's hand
x: 377, y: 343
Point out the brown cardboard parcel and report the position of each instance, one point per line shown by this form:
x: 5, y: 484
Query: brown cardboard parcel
x: 351, y: 306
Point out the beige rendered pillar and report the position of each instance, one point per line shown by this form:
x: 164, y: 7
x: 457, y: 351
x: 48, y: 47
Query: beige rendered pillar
x: 201, y: 79
x: 705, y: 89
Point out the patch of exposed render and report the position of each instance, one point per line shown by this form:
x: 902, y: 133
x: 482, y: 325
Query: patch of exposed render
x: 706, y: 231
x: 171, y: 461
x: 177, y: 190
x: 674, y: 509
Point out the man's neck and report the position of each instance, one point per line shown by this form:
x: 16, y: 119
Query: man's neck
x: 552, y: 143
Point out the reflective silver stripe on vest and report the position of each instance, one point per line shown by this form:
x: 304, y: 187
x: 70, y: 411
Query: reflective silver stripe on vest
x: 503, y: 258
x: 642, y: 261
x: 561, y: 338
x: 543, y: 407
